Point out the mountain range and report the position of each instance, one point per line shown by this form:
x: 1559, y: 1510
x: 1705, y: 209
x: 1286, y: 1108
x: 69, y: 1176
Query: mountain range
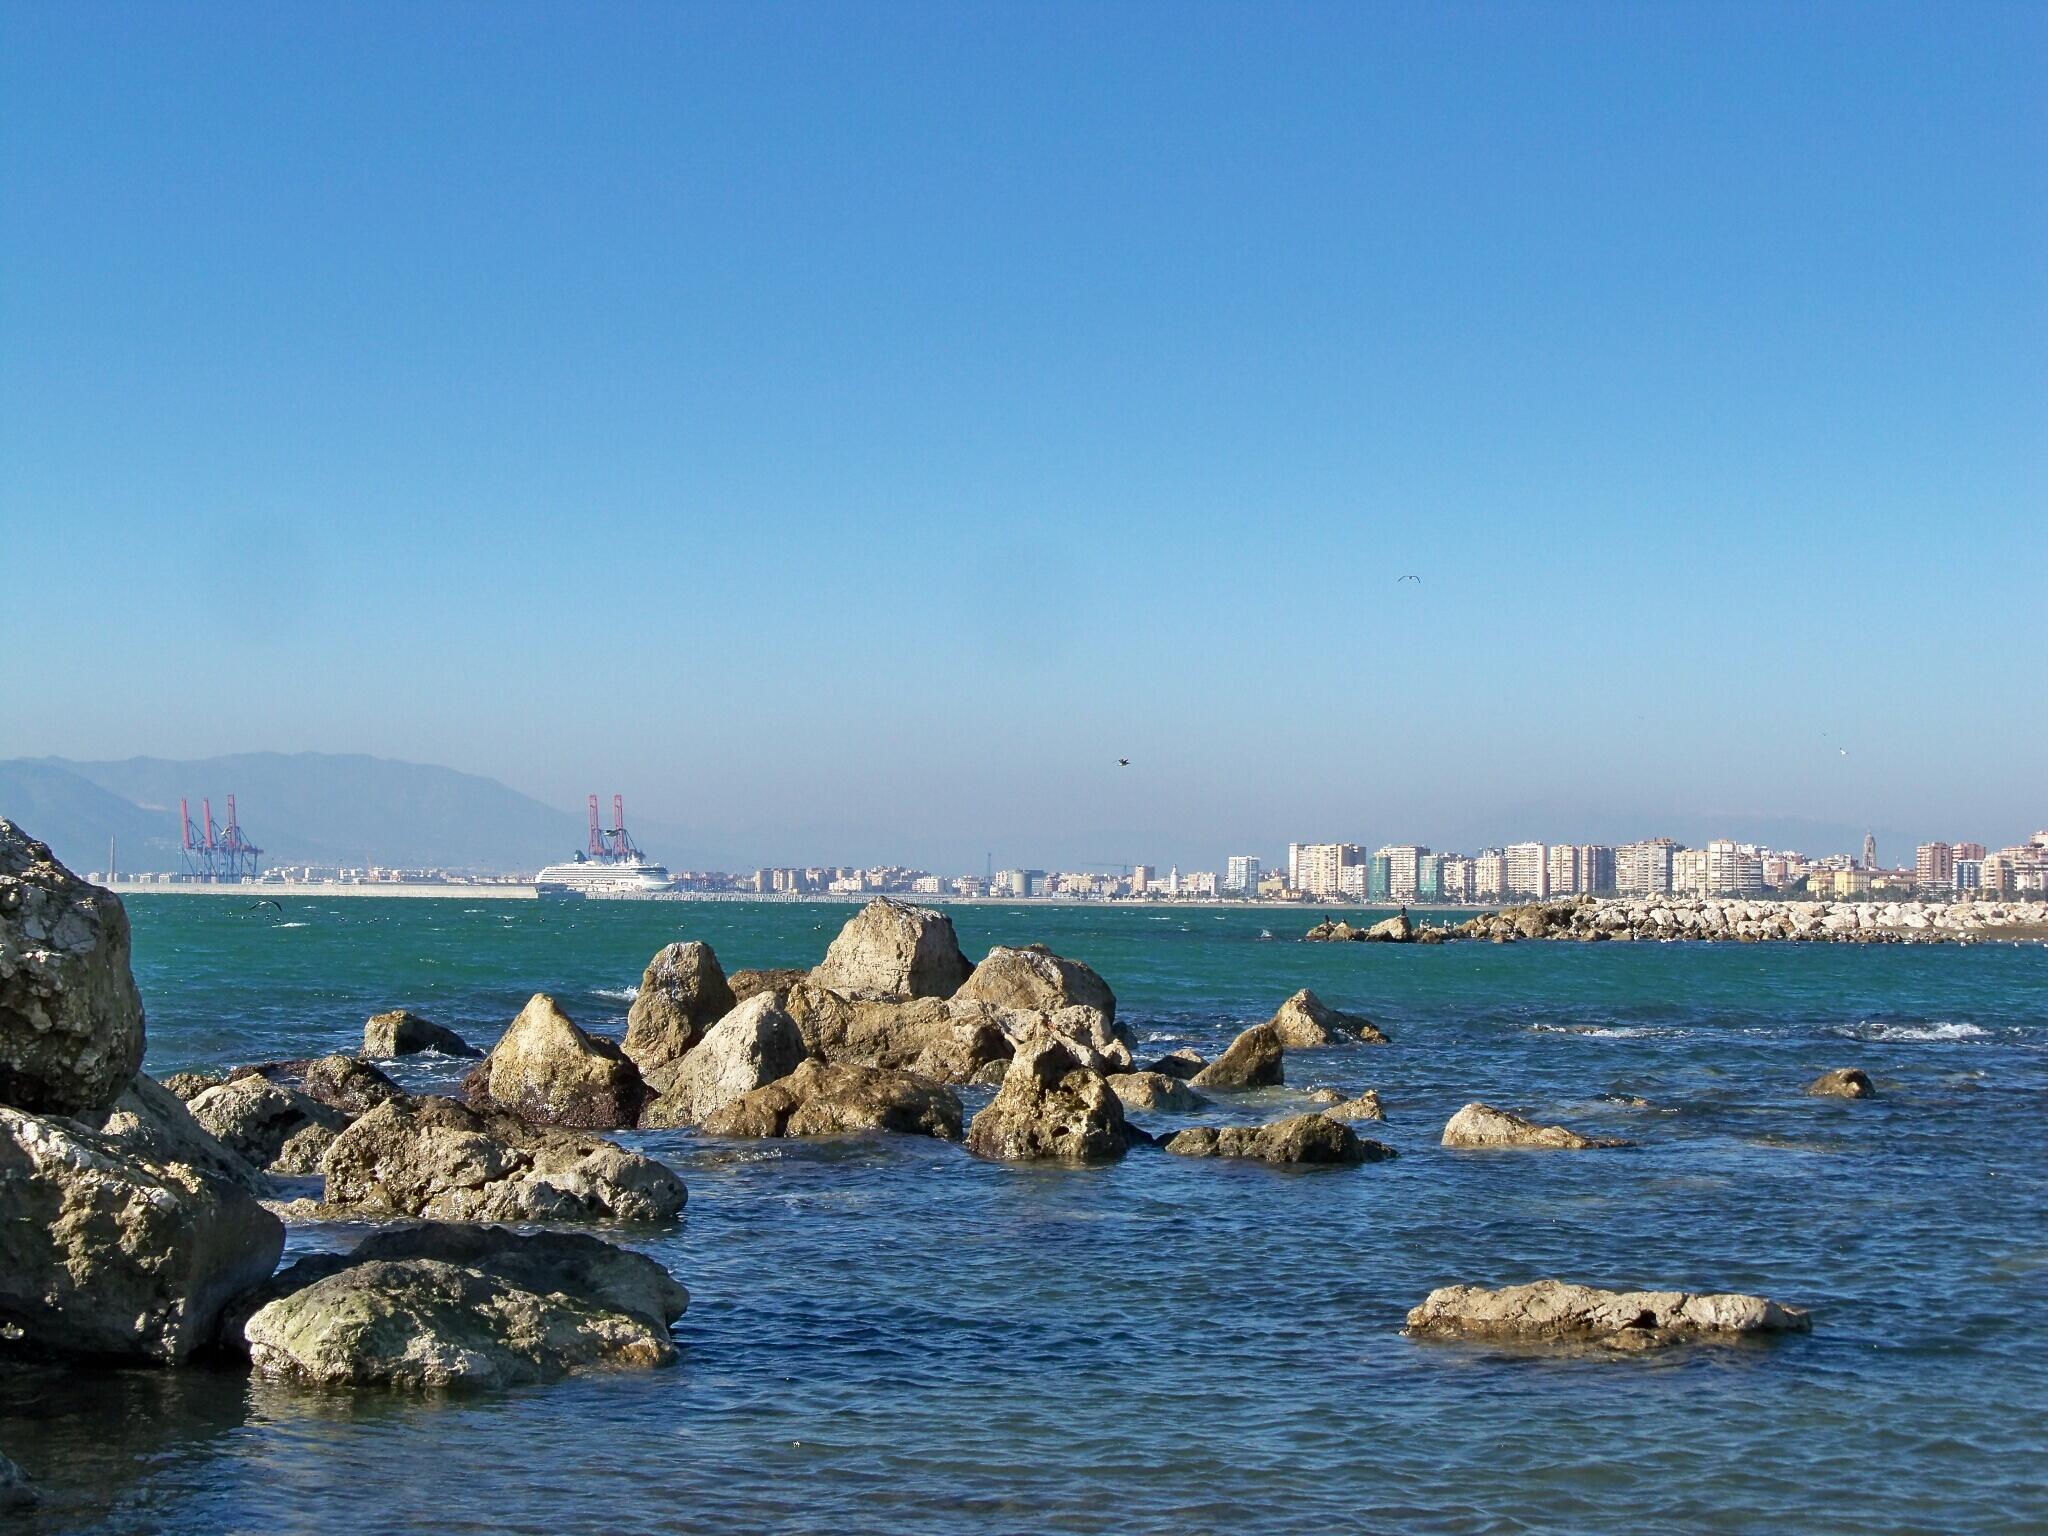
x: 299, y: 807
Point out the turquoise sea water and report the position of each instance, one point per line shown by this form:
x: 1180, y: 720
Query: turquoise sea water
x: 889, y: 1335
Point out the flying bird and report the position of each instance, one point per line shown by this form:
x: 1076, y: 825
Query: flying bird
x: 1123, y: 762
x: 1416, y: 579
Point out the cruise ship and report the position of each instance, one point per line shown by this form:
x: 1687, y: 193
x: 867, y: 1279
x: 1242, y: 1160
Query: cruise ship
x: 611, y: 866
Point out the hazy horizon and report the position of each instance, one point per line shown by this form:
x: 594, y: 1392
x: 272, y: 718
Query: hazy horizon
x: 847, y: 435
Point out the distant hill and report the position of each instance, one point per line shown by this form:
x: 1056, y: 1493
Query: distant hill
x: 300, y: 808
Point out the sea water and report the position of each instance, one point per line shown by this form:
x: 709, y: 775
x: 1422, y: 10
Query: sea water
x: 888, y: 1335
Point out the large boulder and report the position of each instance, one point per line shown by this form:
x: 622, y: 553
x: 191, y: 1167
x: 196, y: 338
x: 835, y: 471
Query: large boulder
x: 1843, y: 1083
x: 401, y: 1032
x: 437, y: 1158
x: 1050, y: 1107
x: 546, y: 1070
x: 463, y: 1306
x: 70, y: 1018
x: 1252, y: 1060
x: 1483, y: 1126
x: 1365, y: 1107
x: 348, y: 1084
x: 1305, y: 1021
x: 108, y: 1249
x: 838, y: 1099
x: 1182, y: 1062
x: 1390, y: 930
x: 1557, y: 1312
x: 1297, y: 1139
x: 746, y: 984
x: 749, y: 1048
x: 1154, y: 1090
x: 890, y: 949
x: 683, y: 992
x: 946, y: 1041
x: 268, y: 1124
x: 1035, y: 979
x: 149, y: 1121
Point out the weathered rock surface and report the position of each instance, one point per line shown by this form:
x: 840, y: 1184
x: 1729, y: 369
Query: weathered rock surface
x: 187, y: 1086
x: 1365, y: 1107
x: 401, y: 1032
x: 1738, y: 920
x: 892, y: 950
x: 1843, y: 1083
x: 749, y: 1048
x: 148, y: 1121
x: 1050, y: 1107
x: 71, y: 1031
x: 1034, y: 979
x: 1297, y: 1139
x: 683, y: 992
x: 464, y: 1306
x: 1182, y: 1062
x: 1252, y: 1060
x: 1481, y: 1125
x: 746, y: 984
x: 437, y: 1158
x: 348, y: 1084
x: 269, y: 1125
x: 108, y: 1250
x: 1305, y: 1021
x: 1392, y: 930
x: 1154, y: 1090
x: 1557, y: 1312
x: 946, y: 1041
x: 546, y: 1070
x: 838, y: 1099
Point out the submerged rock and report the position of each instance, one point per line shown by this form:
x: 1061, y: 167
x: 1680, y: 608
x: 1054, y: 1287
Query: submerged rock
x: 1036, y: 980
x: 818, y: 1099
x: 464, y: 1306
x: 749, y: 1048
x: 546, y: 1070
x: 1182, y: 1062
x: 401, y: 1032
x: 269, y: 1125
x: 1843, y: 1083
x: 1481, y: 1125
x: 1252, y: 1060
x: 1297, y: 1139
x: 1305, y: 1021
x: 1050, y: 1107
x: 892, y: 950
x: 1555, y: 1311
x: 71, y: 1031
x: 1365, y: 1107
x: 683, y: 992
x: 437, y: 1158
x: 110, y: 1249
x: 1154, y: 1090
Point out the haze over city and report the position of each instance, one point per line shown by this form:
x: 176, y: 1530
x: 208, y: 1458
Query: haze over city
x: 849, y: 443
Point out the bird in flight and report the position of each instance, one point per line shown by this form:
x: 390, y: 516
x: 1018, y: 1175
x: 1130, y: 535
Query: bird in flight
x: 1416, y: 579
x: 1123, y: 762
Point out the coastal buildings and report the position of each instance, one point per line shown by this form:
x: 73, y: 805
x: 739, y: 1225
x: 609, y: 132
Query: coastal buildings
x: 1241, y: 875
x: 1317, y: 869
x: 1525, y: 872
x: 1644, y: 869
x: 1934, y: 866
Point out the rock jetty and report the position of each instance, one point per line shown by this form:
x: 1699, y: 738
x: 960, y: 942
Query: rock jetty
x: 1594, y: 919
x: 1557, y: 1312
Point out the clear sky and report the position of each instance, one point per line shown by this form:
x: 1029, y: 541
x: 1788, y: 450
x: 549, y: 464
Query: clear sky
x: 847, y: 429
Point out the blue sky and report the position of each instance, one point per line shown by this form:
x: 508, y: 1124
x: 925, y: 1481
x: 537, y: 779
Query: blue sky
x: 847, y: 429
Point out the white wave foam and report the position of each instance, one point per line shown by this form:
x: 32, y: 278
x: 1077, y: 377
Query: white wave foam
x: 617, y: 994
x: 1603, y: 1031
x: 291, y: 925
x: 1939, y: 1029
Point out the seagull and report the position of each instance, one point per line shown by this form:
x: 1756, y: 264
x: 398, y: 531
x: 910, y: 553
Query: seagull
x: 1416, y: 579
x: 1123, y: 762
x: 265, y: 902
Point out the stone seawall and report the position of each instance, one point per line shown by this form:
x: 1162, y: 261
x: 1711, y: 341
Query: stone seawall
x: 1593, y: 919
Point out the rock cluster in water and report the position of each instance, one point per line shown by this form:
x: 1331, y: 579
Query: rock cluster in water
x: 1593, y: 919
x: 1556, y: 1312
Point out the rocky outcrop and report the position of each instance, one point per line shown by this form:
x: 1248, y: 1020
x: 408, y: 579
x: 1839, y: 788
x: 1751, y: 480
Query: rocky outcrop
x: 187, y: 1086
x: 1154, y: 1090
x: 148, y: 1121
x: 1481, y: 1125
x: 1741, y: 920
x: 71, y: 1031
x: 109, y: 1249
x: 347, y: 1083
x: 1305, y: 1021
x: 401, y: 1032
x: 1034, y: 979
x: 746, y: 984
x: 839, y: 1099
x: 945, y: 1041
x: 1050, y: 1107
x: 1180, y: 1062
x: 1843, y: 1083
x: 683, y: 992
x: 547, y: 1071
x: 465, y: 1306
x: 1365, y: 1107
x: 1556, y: 1312
x: 1398, y: 929
x: 1252, y: 1060
x: 892, y: 950
x: 1297, y: 1139
x: 437, y: 1158
x: 749, y: 1048
x: 267, y: 1124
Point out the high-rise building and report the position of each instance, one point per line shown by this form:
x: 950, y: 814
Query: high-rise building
x: 1404, y: 863
x: 1870, y: 850
x: 1689, y: 871
x: 1379, y: 885
x: 1970, y: 850
x: 1241, y: 874
x: 1526, y: 872
x: 1596, y: 869
x: 1317, y: 869
x: 1934, y: 867
x: 1732, y: 870
x: 1429, y: 877
x: 1644, y: 869
x: 1141, y: 876
x: 1352, y: 880
x: 1455, y: 878
x: 1489, y: 875
x: 1969, y: 874
x: 1563, y: 871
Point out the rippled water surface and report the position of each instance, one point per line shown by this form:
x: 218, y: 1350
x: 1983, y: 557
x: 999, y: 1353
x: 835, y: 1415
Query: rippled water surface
x: 891, y: 1336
